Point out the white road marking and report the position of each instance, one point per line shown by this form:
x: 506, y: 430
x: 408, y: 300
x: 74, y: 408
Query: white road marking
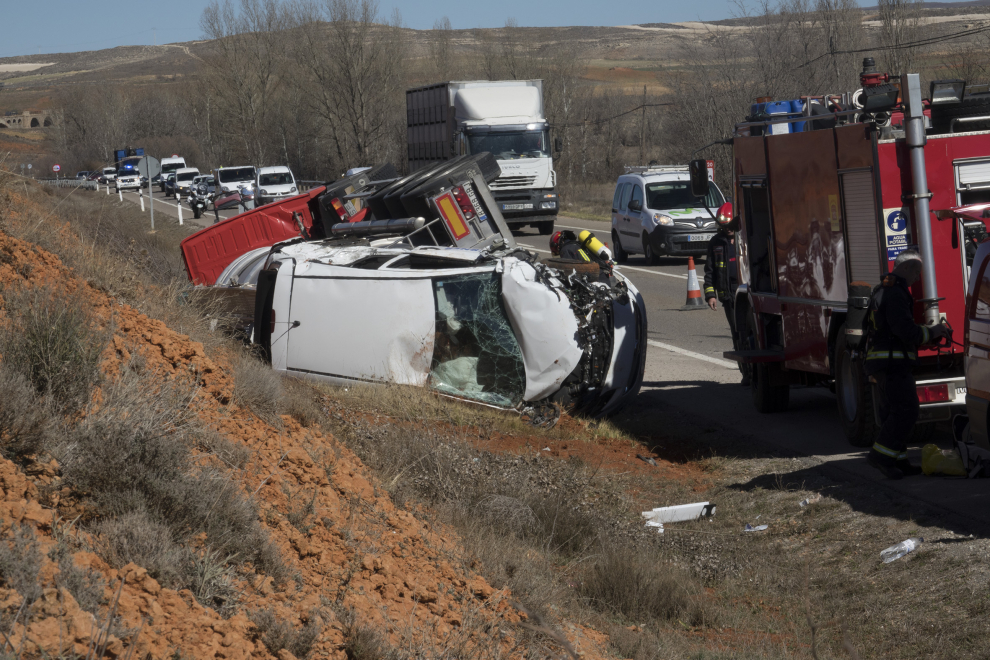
x: 619, y: 268
x: 696, y: 356
x: 652, y: 272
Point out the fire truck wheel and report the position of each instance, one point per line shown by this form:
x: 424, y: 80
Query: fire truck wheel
x: 652, y: 257
x: 855, y: 398
x: 766, y: 397
x: 621, y: 255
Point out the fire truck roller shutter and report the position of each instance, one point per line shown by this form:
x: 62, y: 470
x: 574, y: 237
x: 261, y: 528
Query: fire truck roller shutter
x: 862, y: 237
x: 973, y: 181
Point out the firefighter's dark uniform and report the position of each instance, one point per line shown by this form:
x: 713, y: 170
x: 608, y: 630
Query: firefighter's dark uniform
x: 889, y: 360
x: 572, y: 250
x: 720, y: 278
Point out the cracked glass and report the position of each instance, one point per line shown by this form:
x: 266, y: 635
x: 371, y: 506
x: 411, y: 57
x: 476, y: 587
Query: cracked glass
x: 476, y: 354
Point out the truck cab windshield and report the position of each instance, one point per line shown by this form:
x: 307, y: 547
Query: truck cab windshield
x: 677, y: 195
x: 511, y: 145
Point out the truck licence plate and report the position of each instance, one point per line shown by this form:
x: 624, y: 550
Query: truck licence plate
x: 699, y: 237
x: 516, y: 207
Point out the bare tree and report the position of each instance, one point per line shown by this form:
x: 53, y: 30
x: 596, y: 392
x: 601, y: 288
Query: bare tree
x: 440, y: 48
x: 245, y: 70
x: 355, y: 63
x: 900, y: 23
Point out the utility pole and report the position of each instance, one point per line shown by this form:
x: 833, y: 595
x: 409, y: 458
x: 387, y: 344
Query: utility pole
x: 642, y: 132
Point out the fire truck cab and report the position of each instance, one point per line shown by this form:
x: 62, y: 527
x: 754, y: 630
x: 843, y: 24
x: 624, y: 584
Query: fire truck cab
x: 826, y: 196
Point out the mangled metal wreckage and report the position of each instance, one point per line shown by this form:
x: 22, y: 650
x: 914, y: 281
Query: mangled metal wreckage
x: 434, y: 292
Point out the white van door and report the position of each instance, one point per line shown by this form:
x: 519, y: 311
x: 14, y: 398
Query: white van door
x: 349, y: 325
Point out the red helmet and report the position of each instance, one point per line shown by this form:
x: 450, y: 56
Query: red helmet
x: 724, y: 218
x: 555, y: 244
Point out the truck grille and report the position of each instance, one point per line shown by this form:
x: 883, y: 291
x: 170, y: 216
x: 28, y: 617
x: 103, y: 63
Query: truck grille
x: 512, y: 182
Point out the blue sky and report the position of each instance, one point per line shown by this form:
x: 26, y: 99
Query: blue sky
x: 55, y: 26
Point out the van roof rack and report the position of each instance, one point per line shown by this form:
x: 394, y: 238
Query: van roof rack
x: 638, y: 169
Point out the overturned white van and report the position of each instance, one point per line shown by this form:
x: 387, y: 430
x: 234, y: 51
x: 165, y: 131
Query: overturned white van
x: 496, y: 327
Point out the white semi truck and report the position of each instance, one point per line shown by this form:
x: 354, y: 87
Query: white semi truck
x: 504, y: 117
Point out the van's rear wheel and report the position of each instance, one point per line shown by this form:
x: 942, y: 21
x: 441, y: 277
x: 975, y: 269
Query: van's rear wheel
x: 768, y: 397
x: 855, y: 399
x: 621, y: 256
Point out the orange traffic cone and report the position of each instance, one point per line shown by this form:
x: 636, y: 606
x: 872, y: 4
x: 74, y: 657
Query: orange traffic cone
x: 694, y: 300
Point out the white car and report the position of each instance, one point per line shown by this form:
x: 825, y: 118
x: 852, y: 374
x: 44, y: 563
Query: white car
x: 183, y: 179
x: 108, y: 175
x: 128, y: 180
x: 492, y: 326
x: 654, y: 213
x: 274, y: 183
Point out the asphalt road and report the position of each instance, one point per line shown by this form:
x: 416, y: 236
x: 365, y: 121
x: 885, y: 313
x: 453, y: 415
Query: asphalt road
x: 687, y: 378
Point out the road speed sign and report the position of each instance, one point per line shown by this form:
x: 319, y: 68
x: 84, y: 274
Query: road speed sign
x: 55, y: 168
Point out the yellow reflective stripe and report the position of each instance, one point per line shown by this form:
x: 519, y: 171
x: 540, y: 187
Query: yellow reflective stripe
x: 583, y: 255
x: 902, y: 456
x: 924, y: 331
x: 885, y: 451
x: 719, y: 264
x: 894, y: 355
x: 708, y: 288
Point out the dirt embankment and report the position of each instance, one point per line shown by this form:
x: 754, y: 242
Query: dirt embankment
x: 355, y: 560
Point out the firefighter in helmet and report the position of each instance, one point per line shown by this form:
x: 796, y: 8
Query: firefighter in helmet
x: 891, y: 353
x: 565, y: 245
x: 721, y: 280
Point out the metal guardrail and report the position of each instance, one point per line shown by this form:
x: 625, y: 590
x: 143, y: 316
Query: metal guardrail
x: 308, y: 185
x: 70, y: 183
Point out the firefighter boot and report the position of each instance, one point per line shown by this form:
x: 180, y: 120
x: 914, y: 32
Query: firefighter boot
x: 904, y: 465
x: 885, y: 464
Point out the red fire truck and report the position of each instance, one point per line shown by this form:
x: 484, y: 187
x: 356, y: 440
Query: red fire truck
x: 827, y: 195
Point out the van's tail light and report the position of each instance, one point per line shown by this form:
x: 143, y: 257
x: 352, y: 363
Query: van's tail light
x: 464, y: 202
x: 448, y: 205
x: 933, y: 393
x: 339, y: 208
x: 272, y: 329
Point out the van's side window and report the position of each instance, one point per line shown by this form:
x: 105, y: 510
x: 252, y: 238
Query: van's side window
x: 626, y: 188
x: 616, y: 197
x: 982, y: 308
x: 637, y: 193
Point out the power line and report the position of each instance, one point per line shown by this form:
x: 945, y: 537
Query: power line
x: 927, y: 41
x: 602, y: 121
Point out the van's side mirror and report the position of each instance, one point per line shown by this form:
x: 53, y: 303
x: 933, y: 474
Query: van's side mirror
x: 635, y: 205
x: 558, y: 144
x: 699, y: 177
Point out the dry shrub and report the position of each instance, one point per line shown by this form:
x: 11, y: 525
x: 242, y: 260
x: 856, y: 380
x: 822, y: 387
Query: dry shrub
x: 23, y: 420
x: 54, y: 343
x: 85, y: 585
x: 20, y: 564
x: 257, y: 387
x: 639, y: 586
x: 278, y: 634
x: 131, y: 460
x: 136, y: 537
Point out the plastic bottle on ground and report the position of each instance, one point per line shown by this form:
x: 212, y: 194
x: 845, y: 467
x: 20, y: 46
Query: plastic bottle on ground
x: 901, y: 549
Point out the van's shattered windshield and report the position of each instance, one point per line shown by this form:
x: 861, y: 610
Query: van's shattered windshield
x: 677, y: 195
x: 476, y: 355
